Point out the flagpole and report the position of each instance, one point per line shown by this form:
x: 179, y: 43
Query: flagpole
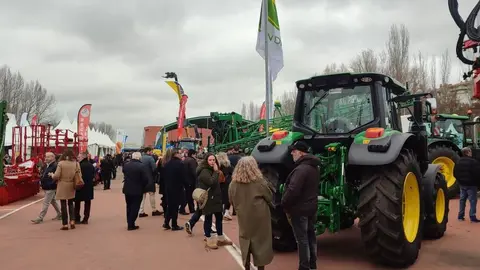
x: 268, y: 78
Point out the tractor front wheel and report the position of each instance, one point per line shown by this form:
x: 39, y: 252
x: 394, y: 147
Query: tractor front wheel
x: 391, y: 211
x: 437, y: 217
x: 283, y: 238
x: 446, y: 157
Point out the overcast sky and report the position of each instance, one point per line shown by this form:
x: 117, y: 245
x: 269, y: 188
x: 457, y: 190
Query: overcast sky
x: 112, y: 53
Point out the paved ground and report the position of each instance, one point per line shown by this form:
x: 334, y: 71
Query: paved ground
x: 106, y: 244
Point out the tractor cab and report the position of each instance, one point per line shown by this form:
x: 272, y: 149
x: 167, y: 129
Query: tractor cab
x: 337, y: 107
x: 447, y: 126
x: 471, y: 136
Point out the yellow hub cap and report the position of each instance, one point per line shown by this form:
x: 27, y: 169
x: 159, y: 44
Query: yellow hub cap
x: 446, y: 169
x: 411, y: 207
x: 440, y: 206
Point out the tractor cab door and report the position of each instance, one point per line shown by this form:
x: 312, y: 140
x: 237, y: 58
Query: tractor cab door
x: 471, y: 137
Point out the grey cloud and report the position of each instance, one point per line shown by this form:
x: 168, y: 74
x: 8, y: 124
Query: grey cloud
x: 125, y: 46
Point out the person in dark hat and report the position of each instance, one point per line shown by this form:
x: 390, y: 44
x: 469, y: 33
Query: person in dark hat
x: 300, y: 202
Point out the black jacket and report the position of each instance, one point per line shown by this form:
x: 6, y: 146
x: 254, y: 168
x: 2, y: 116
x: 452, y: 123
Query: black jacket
x: 174, y: 175
x: 136, y: 177
x: 301, y: 187
x: 46, y: 181
x: 191, y: 173
x: 467, y: 171
x: 106, y: 168
x: 88, y: 175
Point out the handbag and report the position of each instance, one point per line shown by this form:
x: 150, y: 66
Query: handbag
x: 200, y: 195
x: 77, y: 178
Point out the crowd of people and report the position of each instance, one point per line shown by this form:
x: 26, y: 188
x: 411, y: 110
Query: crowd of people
x: 213, y: 186
x: 57, y: 179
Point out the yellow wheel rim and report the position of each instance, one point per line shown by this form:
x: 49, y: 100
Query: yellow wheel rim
x: 411, y: 207
x: 440, y: 206
x: 446, y: 169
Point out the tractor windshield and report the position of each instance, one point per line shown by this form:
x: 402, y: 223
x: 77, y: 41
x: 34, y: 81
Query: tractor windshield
x: 448, y: 129
x: 186, y: 145
x: 338, y: 110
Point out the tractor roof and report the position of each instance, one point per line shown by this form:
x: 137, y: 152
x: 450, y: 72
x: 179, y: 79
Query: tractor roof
x: 348, y: 78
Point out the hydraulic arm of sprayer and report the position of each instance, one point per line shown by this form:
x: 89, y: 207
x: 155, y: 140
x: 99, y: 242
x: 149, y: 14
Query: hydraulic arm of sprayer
x: 468, y: 28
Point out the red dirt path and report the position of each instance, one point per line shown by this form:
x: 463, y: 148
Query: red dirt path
x: 106, y: 244
x: 458, y: 249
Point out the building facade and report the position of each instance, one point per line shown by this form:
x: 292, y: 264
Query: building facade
x: 150, y: 135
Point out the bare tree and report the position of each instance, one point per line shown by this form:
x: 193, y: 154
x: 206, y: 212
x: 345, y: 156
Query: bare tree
x: 433, y: 74
x: 445, y: 67
x: 366, y: 61
x: 105, y: 128
x: 397, y: 53
x: 287, y: 100
x: 244, y: 110
x: 333, y: 68
x: 251, y: 110
x: 22, y: 97
x: 418, y: 74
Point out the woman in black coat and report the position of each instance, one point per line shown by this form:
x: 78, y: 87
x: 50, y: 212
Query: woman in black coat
x: 85, y: 194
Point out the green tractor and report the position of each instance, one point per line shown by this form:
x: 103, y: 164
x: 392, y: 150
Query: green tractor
x: 445, y: 140
x: 370, y: 169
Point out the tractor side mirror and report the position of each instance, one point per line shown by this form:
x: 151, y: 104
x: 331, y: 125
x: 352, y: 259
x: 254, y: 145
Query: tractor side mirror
x: 432, y: 102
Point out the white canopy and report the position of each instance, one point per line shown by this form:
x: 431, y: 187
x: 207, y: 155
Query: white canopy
x: 65, y: 124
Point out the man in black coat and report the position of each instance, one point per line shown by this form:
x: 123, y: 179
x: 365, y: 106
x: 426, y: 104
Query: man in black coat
x: 136, y: 178
x: 174, y: 175
x: 49, y: 187
x: 191, y: 164
x: 106, y: 171
x: 467, y: 171
x: 300, y: 202
x: 85, y: 194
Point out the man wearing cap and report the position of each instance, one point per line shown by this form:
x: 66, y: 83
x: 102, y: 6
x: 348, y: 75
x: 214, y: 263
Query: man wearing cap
x: 300, y: 201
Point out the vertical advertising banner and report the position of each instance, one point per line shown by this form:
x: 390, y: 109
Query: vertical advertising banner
x: 83, y: 122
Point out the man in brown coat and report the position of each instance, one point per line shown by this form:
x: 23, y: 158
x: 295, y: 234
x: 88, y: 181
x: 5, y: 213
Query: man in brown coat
x: 300, y: 202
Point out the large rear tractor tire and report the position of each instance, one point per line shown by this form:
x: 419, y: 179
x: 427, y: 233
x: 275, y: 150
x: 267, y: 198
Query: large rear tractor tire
x: 391, y: 211
x: 447, y: 158
x: 436, y: 217
x: 283, y: 237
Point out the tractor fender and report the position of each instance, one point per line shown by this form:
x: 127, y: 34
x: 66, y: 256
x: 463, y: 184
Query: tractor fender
x: 359, y: 154
x: 272, y: 153
x: 433, y: 143
x: 428, y: 186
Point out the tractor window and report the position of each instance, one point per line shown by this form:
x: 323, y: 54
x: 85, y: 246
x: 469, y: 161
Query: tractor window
x: 338, y: 110
x: 449, y: 129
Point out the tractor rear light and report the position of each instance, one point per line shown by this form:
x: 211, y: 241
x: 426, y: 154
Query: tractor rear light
x: 373, y: 133
x: 278, y: 135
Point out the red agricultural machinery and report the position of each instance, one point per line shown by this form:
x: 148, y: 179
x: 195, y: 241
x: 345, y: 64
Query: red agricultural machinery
x: 29, y: 145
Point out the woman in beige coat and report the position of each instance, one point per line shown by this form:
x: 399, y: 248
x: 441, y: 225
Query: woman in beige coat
x: 251, y: 197
x: 64, y: 175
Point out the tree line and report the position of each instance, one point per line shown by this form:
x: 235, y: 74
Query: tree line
x: 421, y: 72
x: 26, y: 96
x: 34, y: 99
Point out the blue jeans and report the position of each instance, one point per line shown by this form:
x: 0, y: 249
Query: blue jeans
x: 195, y: 217
x: 304, y: 231
x: 207, y: 225
x: 469, y: 193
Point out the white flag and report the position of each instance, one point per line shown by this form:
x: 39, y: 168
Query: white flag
x: 275, y: 51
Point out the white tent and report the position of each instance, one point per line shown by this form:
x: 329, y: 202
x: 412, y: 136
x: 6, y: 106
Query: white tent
x: 65, y: 124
